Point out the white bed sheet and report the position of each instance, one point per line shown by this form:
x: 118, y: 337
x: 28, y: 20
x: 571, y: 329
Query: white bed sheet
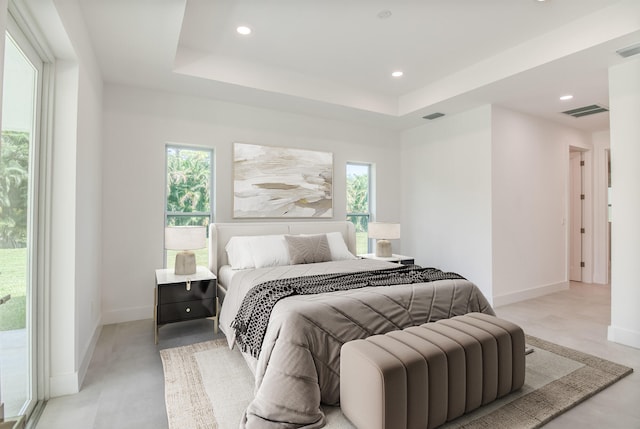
x: 225, y: 275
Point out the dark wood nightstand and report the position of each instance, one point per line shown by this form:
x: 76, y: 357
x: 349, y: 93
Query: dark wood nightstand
x: 398, y: 259
x: 184, y: 297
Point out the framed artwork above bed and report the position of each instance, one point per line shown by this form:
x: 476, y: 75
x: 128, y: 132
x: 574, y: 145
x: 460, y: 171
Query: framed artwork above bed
x: 278, y: 182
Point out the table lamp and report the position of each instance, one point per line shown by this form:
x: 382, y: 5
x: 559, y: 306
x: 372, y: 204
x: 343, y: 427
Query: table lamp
x: 185, y: 239
x: 383, y: 232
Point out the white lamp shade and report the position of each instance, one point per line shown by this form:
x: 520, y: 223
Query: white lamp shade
x: 384, y: 230
x: 185, y: 237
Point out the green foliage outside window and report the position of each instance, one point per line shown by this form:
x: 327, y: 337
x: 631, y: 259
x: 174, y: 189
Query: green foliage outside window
x: 14, y: 196
x: 358, y: 207
x: 358, y: 200
x: 14, y: 189
x: 188, y: 187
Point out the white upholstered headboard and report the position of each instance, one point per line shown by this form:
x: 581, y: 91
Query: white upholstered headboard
x: 220, y: 233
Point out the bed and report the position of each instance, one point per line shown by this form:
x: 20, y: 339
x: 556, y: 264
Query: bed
x: 296, y: 357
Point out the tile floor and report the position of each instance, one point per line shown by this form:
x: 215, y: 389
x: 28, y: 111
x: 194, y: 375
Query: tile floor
x: 124, y: 385
x: 123, y: 388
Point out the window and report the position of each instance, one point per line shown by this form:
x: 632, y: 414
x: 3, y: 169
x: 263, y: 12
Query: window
x: 189, y: 196
x: 22, y: 95
x: 359, y: 202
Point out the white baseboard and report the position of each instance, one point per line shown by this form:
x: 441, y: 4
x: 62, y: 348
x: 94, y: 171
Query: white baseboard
x: 624, y: 336
x: 88, y: 353
x: 522, y: 295
x: 127, y: 314
x: 70, y: 383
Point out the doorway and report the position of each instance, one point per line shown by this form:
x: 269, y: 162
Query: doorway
x: 576, y: 215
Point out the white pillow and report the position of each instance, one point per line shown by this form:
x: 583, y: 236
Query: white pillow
x: 338, y: 247
x: 239, y: 253
x: 269, y: 250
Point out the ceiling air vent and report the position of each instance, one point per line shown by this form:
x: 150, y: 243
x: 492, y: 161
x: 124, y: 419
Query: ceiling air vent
x: 433, y: 116
x: 586, y: 111
x: 629, y: 51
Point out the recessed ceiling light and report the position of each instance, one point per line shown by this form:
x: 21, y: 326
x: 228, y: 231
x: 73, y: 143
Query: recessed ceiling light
x: 397, y: 73
x: 566, y: 97
x: 244, y: 30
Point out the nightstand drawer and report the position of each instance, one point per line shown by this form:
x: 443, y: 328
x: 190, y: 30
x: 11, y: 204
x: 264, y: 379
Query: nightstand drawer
x: 186, y: 310
x: 177, y: 292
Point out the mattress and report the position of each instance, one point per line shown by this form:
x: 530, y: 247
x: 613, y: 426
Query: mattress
x: 225, y: 276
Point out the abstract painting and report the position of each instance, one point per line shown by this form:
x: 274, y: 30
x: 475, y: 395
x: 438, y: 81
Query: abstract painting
x: 281, y: 182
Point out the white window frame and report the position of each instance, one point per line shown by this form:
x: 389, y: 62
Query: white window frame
x: 24, y: 31
x: 211, y: 213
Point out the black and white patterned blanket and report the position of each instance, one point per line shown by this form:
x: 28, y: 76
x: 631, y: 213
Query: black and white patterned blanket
x: 252, y: 318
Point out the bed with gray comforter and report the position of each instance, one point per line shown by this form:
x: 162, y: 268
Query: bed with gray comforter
x: 297, y: 365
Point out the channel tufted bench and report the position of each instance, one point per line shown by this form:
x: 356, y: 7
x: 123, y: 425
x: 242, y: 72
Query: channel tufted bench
x: 424, y: 376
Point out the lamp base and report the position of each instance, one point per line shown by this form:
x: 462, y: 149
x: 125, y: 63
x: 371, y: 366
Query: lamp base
x: 185, y: 263
x: 383, y: 249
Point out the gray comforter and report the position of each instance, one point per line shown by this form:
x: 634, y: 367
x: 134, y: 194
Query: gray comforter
x: 298, y: 367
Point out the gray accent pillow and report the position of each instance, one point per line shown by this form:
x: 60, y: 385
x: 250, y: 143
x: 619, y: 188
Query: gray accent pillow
x: 307, y: 249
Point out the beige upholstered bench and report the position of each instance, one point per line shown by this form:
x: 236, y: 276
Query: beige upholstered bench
x: 424, y: 376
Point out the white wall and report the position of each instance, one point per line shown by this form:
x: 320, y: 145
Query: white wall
x: 469, y: 184
x: 88, y: 267
x: 485, y: 194
x: 137, y: 125
x: 76, y: 214
x: 446, y: 195
x: 64, y: 326
x: 624, y: 102
x: 530, y: 171
x: 601, y: 144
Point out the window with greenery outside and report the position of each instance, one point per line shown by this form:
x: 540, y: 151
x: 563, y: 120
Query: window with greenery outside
x: 14, y: 194
x: 189, y: 192
x: 358, y: 202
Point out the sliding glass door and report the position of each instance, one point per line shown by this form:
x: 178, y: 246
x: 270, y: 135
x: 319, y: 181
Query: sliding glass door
x: 21, y: 97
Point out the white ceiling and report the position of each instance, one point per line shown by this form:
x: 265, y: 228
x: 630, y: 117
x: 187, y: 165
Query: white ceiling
x: 334, y: 58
